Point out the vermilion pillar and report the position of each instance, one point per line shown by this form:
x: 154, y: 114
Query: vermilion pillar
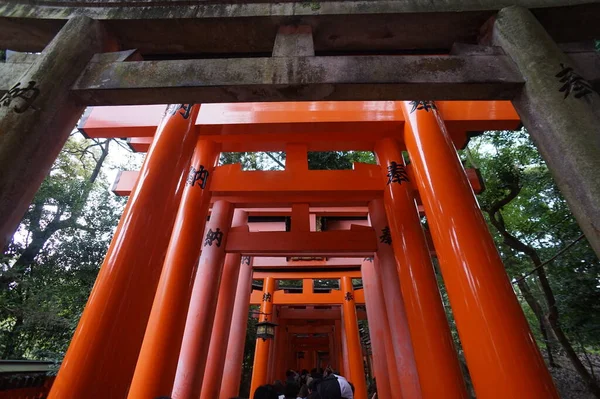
x: 345, y: 356
x: 232, y: 370
x: 203, y: 303
x: 499, y: 348
x: 261, y: 354
x: 399, y: 333
x: 337, y: 341
x: 378, y: 329
x: 106, y: 344
x: 157, y: 363
x: 356, y: 373
x: 222, y: 325
x: 437, y: 363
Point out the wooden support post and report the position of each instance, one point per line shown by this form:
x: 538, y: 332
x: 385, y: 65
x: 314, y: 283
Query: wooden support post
x: 37, y: 115
x: 203, y: 303
x: 386, y: 268
x: 106, y: 344
x: 356, y: 369
x: 261, y: 354
x: 223, y: 316
x: 232, y: 370
x: 338, y: 346
x: 157, y: 362
x: 437, y: 362
x: 499, y: 347
x: 378, y: 328
x: 561, y: 112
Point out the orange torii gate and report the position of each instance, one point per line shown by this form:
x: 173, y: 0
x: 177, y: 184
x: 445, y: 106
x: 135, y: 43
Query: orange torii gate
x: 185, y: 334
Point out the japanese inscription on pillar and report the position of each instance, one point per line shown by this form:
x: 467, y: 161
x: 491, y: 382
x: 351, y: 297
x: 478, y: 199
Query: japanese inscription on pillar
x: 572, y: 82
x: 246, y: 260
x: 267, y: 297
x: 23, y: 96
x: 199, y: 175
x: 422, y: 105
x: 348, y: 296
x: 369, y: 259
x: 386, y: 236
x: 212, y: 236
x: 396, y: 173
x: 184, y: 110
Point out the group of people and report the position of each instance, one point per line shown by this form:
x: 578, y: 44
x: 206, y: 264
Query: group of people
x: 317, y: 384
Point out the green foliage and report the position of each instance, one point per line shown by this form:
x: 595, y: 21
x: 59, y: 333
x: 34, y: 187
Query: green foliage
x: 539, y: 217
x: 50, y: 266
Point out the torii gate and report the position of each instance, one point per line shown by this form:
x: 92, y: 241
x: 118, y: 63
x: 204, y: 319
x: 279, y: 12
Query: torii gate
x: 184, y: 354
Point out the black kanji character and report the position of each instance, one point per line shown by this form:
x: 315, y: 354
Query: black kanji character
x: 573, y: 82
x: 200, y: 175
x: 184, y: 110
x: 267, y: 297
x: 386, y: 236
x: 348, y: 296
x: 27, y: 94
x: 396, y: 173
x: 246, y: 260
x: 420, y: 105
x: 212, y: 236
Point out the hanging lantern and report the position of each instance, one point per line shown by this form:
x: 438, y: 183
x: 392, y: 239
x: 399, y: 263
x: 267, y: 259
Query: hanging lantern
x: 265, y: 330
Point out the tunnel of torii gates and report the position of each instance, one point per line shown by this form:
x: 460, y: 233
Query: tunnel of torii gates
x: 167, y: 315
x: 302, y: 224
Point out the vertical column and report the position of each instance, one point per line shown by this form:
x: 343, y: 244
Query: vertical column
x: 345, y: 356
x: 437, y: 362
x: 337, y: 340
x: 280, y: 351
x: 386, y: 268
x: 261, y: 355
x: 203, y: 303
x: 232, y: 369
x: 272, y: 347
x: 157, y: 362
x: 106, y: 344
x: 37, y: 115
x: 355, y: 358
x: 378, y: 328
x: 498, y: 344
x: 561, y: 112
x: 223, y: 316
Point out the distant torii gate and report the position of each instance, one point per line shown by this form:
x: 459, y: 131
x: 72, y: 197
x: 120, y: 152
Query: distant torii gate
x: 183, y: 354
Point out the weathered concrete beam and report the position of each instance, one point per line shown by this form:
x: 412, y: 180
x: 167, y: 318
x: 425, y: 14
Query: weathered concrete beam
x: 300, y: 79
x: 37, y: 114
x: 561, y: 111
x: 227, y: 27
x: 338, y: 78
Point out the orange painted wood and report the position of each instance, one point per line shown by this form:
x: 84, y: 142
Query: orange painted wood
x: 240, y: 125
x: 108, y: 338
x: 499, y: 347
x: 223, y: 316
x: 356, y: 370
x: 203, y: 304
x: 232, y: 370
x: 261, y: 353
x: 282, y: 298
x: 436, y: 358
x: 157, y: 362
x: 286, y: 187
x: 332, y: 243
x: 317, y: 274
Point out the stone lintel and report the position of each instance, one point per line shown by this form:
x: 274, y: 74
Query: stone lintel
x: 241, y: 27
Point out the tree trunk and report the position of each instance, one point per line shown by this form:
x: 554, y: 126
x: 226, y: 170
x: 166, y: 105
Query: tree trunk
x: 539, y: 314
